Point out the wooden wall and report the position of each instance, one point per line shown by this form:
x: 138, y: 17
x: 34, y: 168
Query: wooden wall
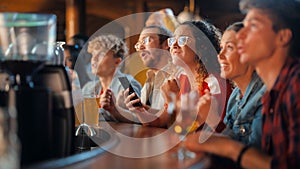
x: 92, y: 14
x: 87, y: 16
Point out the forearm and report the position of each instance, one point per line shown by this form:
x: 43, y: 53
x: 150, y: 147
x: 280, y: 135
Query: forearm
x: 251, y: 158
x: 123, y: 115
x: 255, y: 159
x: 127, y: 116
x: 153, y: 118
x: 226, y: 147
x: 147, y: 118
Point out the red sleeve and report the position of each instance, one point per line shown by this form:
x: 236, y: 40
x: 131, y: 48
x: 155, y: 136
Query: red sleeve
x: 204, y: 87
x: 185, y: 86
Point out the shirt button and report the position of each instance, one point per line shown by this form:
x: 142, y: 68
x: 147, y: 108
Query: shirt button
x: 271, y: 111
x: 242, y: 129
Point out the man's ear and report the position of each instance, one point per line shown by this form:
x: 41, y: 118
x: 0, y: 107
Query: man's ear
x: 285, y: 36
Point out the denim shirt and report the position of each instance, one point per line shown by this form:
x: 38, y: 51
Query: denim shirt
x: 243, y: 115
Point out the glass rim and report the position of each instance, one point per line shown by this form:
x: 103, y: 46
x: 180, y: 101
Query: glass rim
x: 16, y: 19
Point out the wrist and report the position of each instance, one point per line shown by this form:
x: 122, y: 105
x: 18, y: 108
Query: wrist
x: 233, y: 149
x: 241, y: 155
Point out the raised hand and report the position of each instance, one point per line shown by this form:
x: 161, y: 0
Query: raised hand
x: 107, y: 100
x: 129, y: 102
x: 204, y: 104
x: 170, y: 86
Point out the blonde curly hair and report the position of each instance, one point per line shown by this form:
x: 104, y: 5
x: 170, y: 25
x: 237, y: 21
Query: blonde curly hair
x: 105, y: 43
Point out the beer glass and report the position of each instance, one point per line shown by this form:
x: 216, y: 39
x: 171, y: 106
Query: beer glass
x: 183, y: 120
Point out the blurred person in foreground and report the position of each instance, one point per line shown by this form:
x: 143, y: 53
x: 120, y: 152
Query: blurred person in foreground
x: 269, y: 41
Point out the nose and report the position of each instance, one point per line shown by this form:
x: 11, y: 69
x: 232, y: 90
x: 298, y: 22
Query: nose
x: 175, y: 45
x: 221, y: 55
x: 141, y: 47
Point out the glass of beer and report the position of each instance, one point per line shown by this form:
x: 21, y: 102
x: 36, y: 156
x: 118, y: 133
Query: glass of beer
x: 183, y: 121
x: 91, y: 112
x: 87, y: 114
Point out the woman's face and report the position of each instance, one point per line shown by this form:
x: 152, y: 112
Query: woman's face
x: 183, y: 47
x: 68, y: 59
x: 229, y: 59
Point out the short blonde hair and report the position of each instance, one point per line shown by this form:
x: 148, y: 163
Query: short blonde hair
x: 105, y: 43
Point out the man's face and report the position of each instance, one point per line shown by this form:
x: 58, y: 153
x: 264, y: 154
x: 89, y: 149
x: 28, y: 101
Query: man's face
x: 104, y: 63
x: 257, y: 40
x: 149, y: 48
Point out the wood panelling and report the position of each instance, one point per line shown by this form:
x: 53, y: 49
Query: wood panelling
x: 99, y: 12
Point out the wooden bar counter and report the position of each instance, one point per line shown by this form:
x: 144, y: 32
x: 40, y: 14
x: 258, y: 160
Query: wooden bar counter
x: 130, y: 146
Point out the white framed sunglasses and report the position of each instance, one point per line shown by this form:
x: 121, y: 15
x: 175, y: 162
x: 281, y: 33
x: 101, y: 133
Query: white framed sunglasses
x: 144, y: 41
x: 181, y: 41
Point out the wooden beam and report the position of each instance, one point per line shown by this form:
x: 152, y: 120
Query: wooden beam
x: 72, y: 18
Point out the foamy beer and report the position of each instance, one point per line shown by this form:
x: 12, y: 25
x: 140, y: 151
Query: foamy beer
x: 87, y: 111
x: 91, y: 111
x: 78, y: 114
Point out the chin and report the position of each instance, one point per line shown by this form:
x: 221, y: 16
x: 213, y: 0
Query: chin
x: 148, y: 64
x: 177, y: 61
x: 244, y: 58
x: 223, y: 75
x: 226, y: 75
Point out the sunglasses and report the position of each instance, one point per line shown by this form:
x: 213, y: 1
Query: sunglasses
x: 181, y: 41
x: 144, y: 41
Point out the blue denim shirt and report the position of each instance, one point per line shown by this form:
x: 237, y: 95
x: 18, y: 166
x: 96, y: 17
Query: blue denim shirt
x: 243, y: 115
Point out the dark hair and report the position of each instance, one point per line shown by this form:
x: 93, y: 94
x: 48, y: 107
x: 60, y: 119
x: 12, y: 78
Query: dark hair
x: 78, y: 40
x: 207, y: 38
x: 283, y: 13
x: 163, y: 33
x: 237, y: 26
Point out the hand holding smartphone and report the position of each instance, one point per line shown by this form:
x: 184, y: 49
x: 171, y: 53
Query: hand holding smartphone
x: 126, y: 84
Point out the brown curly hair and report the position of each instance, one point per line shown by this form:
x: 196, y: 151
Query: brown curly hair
x: 207, y: 39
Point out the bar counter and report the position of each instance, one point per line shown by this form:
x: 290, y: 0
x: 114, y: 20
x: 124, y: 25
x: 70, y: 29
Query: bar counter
x: 130, y: 146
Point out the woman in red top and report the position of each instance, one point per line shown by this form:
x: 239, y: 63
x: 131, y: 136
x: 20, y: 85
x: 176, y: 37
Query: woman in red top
x: 194, y: 47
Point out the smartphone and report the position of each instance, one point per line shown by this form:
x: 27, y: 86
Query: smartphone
x: 126, y: 84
